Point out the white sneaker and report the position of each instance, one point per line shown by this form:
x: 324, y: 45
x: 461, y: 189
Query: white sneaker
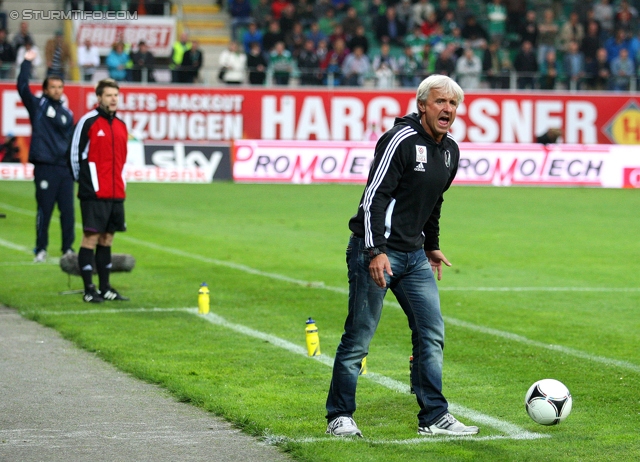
x: 40, y: 257
x: 343, y: 426
x: 448, y: 425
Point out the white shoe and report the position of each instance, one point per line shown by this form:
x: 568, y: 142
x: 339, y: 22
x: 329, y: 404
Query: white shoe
x: 448, y: 425
x: 40, y: 257
x: 343, y: 426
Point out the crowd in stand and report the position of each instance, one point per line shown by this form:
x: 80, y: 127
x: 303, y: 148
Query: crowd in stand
x: 57, y: 54
x: 497, y: 44
x: 124, y: 63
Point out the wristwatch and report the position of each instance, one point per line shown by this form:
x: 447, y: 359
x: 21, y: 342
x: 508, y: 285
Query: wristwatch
x: 374, y: 252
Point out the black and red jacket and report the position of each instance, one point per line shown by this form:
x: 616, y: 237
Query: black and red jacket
x: 98, y: 153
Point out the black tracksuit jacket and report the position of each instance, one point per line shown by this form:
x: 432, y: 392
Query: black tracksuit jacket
x: 400, y: 206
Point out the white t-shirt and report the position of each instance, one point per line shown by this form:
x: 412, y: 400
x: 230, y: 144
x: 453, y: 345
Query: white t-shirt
x: 88, y: 58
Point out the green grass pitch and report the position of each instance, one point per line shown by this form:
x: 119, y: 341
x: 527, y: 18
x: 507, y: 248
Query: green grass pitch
x: 545, y: 283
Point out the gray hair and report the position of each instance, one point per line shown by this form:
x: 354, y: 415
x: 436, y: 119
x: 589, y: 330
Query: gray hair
x: 440, y: 82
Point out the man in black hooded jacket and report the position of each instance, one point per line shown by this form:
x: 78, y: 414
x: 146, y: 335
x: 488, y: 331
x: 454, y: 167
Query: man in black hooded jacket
x: 395, y: 246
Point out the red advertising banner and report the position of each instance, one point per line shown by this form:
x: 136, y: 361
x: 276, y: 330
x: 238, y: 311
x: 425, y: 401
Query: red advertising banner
x: 497, y: 164
x: 158, y: 32
x: 179, y: 113
x: 631, y: 177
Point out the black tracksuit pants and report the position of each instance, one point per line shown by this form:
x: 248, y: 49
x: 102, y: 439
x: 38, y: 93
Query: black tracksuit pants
x: 54, y: 184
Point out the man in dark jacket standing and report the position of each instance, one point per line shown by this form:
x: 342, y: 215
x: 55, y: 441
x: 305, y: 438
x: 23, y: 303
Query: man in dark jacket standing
x: 309, y: 65
x: 97, y: 155
x: 526, y: 64
x: 7, y: 55
x: 143, y: 64
x: 51, y: 130
x: 395, y: 246
x: 192, y: 62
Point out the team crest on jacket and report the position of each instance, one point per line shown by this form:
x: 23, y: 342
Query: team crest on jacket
x: 447, y: 158
x: 421, y: 158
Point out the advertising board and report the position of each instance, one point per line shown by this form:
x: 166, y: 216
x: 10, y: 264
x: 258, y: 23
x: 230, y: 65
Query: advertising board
x: 499, y: 164
x: 202, y: 114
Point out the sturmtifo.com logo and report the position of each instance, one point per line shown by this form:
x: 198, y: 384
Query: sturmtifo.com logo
x: 28, y: 15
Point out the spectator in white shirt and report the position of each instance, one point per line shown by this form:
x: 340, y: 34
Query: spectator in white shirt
x: 234, y: 63
x: 421, y: 12
x: 385, y: 77
x: 88, y: 60
x: 468, y: 70
x: 356, y: 67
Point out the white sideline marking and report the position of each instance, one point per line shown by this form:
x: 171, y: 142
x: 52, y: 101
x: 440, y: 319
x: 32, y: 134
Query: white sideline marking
x: 13, y: 246
x: 27, y: 250
x: 273, y: 440
x: 113, y: 311
x: 318, y: 284
x: 19, y: 210
x: 512, y: 431
x: 236, y: 266
x: 549, y: 346
x: 50, y: 261
x: 457, y: 322
x: 321, y: 285
x: 519, y: 338
x: 543, y: 289
x: 24, y: 249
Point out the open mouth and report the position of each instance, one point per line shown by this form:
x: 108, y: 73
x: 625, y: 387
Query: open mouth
x: 443, y: 121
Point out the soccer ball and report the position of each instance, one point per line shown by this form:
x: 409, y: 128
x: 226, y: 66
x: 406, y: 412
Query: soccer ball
x: 548, y: 402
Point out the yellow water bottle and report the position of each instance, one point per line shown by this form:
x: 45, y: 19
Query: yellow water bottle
x: 203, y: 299
x: 363, y: 366
x: 313, y: 340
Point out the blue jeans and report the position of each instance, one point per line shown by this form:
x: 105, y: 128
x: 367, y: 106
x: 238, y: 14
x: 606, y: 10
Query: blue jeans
x: 415, y: 287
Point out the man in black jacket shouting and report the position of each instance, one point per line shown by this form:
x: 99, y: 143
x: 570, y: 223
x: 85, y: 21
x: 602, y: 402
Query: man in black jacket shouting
x: 395, y: 246
x: 51, y: 130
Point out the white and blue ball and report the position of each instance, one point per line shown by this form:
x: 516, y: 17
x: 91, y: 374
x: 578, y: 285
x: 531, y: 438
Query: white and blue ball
x: 548, y: 402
